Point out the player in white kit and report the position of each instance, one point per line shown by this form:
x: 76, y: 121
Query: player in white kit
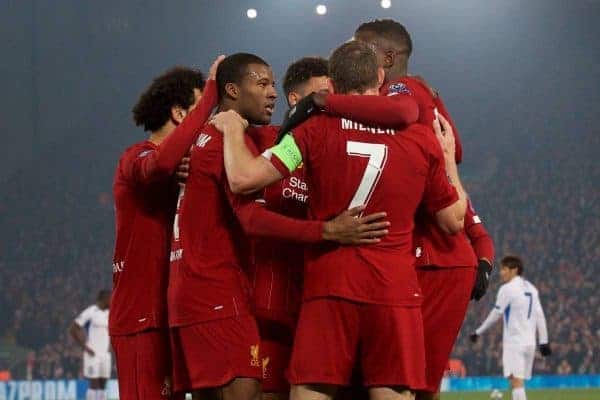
x: 518, y: 302
x: 97, y: 359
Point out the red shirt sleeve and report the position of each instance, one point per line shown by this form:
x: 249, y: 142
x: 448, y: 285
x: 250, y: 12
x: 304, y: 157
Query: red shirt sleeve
x: 257, y: 221
x: 384, y: 111
x: 439, y: 192
x: 162, y: 162
x: 482, y: 242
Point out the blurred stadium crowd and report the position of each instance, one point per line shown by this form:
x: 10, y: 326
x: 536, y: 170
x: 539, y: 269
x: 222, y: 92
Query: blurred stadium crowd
x: 541, y: 202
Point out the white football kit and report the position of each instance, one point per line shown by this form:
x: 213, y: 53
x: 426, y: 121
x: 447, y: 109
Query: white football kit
x: 99, y: 365
x: 518, y: 302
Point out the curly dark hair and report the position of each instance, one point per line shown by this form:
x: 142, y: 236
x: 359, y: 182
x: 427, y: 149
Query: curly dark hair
x: 173, y: 88
x: 391, y: 30
x: 302, y: 70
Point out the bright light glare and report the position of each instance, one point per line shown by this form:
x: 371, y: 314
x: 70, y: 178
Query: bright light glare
x: 321, y: 9
x: 386, y: 3
x: 251, y: 13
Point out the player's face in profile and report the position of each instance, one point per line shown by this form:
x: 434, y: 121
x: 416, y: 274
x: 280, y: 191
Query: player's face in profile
x: 180, y: 114
x: 505, y: 274
x: 258, y: 94
x: 197, y: 97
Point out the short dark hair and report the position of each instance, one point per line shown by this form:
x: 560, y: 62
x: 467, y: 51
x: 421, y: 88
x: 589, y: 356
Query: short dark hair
x: 353, y: 67
x: 513, y: 262
x: 391, y: 30
x: 174, y: 87
x: 233, y: 69
x: 302, y: 70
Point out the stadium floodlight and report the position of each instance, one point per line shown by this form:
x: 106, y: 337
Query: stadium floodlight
x: 321, y: 9
x: 386, y: 3
x: 251, y: 13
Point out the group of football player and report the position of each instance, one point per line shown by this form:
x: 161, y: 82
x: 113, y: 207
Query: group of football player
x: 331, y: 257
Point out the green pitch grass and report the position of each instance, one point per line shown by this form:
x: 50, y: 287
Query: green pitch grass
x: 558, y: 394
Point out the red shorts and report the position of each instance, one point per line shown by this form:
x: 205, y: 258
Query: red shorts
x: 143, y: 363
x: 330, y: 331
x: 212, y: 353
x: 276, y: 351
x: 446, y: 295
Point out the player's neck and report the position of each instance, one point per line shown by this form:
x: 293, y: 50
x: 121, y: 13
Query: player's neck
x: 396, y: 73
x: 158, y: 136
x: 228, y: 105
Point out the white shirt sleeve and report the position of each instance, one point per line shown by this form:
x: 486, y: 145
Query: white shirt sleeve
x: 502, y: 301
x: 540, y: 321
x: 491, y: 319
x: 85, y: 316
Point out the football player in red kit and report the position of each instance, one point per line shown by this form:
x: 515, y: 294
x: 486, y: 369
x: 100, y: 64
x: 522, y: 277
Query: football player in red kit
x: 214, y: 335
x: 450, y: 271
x: 173, y: 108
x: 276, y: 266
x: 365, y: 295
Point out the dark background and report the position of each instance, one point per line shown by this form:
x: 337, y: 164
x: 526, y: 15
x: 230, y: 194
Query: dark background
x: 521, y: 79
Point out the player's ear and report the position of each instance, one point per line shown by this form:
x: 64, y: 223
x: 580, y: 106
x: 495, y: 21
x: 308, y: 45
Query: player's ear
x: 232, y: 90
x: 388, y: 59
x: 293, y: 98
x: 177, y: 114
x: 330, y: 86
x: 380, y: 76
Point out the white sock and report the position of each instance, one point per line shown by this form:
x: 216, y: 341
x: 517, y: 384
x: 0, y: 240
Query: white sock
x: 519, y: 394
x: 100, y: 394
x: 90, y: 394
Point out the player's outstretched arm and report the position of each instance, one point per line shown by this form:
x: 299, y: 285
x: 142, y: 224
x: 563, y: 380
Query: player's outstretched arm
x: 245, y: 172
x: 383, y: 111
x: 162, y: 163
x: 347, y: 228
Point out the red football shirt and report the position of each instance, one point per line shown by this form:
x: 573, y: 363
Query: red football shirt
x: 144, y: 215
x: 348, y: 164
x: 427, y: 102
x: 276, y: 266
x: 145, y: 197
x: 432, y: 245
x: 209, y: 251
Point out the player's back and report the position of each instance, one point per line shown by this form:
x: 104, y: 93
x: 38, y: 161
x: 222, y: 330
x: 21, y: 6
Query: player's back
x: 206, y: 279
x: 143, y: 214
x: 520, y: 312
x: 433, y: 246
x: 348, y: 165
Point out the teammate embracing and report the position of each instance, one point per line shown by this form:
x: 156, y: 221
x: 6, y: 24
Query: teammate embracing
x: 363, y: 297
x: 451, y: 269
